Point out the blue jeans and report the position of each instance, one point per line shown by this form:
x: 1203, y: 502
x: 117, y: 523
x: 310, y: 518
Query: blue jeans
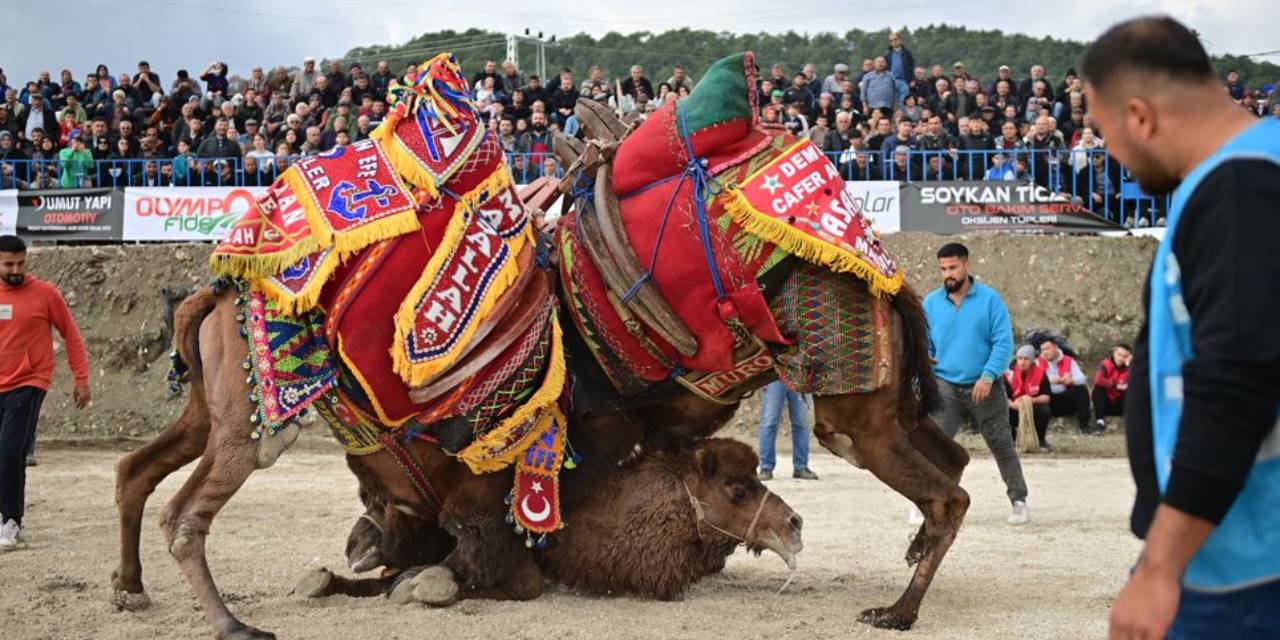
x: 772, y: 400
x: 1249, y: 614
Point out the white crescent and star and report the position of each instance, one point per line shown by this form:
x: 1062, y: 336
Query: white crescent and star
x: 538, y: 516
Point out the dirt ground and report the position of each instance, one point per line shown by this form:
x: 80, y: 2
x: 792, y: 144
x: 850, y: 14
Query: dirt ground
x: 1054, y: 578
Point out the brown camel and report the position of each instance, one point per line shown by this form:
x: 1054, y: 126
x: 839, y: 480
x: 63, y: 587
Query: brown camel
x: 686, y: 509
x: 479, y: 557
x: 888, y: 432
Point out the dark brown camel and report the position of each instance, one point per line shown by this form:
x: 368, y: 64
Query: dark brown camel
x: 888, y: 432
x: 651, y: 528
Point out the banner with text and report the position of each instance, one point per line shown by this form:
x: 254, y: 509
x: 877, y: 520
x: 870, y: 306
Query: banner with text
x: 966, y: 206
x: 70, y: 214
x: 186, y: 214
x: 880, y: 201
x: 8, y: 212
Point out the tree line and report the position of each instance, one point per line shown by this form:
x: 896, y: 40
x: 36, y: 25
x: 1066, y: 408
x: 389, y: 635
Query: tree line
x: 982, y: 51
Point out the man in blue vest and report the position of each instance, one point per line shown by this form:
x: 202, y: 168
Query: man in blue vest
x: 1204, y: 396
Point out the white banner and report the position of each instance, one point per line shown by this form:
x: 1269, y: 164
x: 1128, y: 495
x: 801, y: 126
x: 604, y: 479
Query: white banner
x: 8, y: 212
x: 184, y: 213
x: 879, y: 201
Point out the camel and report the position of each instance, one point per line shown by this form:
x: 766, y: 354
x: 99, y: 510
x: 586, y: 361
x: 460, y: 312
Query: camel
x: 887, y: 432
x: 686, y: 509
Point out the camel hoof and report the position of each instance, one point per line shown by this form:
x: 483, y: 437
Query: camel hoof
x: 886, y: 618
x: 314, y: 583
x: 919, y: 546
x: 435, y: 587
x: 246, y: 632
x: 402, y: 590
x: 126, y: 601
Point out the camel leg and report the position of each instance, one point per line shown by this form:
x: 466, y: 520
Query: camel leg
x: 137, y: 475
x: 945, y: 454
x: 321, y: 583
x: 866, y: 428
x: 230, y: 456
x: 489, y: 562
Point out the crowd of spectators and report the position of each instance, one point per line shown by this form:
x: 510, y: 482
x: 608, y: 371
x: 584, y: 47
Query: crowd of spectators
x: 891, y: 119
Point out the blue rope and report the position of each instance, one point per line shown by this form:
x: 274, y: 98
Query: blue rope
x: 649, y: 186
x: 701, y: 188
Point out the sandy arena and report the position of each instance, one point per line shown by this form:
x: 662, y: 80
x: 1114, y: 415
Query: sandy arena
x: 1052, y: 579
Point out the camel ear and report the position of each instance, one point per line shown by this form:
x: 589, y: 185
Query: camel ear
x: 706, y: 462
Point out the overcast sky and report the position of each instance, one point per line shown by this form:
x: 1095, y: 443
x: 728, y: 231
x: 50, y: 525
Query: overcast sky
x: 173, y: 34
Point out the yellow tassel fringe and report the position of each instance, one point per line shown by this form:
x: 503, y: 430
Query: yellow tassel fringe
x: 491, y: 452
x: 805, y: 246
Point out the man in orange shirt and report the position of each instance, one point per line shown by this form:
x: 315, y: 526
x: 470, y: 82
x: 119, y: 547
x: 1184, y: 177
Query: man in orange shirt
x: 28, y: 307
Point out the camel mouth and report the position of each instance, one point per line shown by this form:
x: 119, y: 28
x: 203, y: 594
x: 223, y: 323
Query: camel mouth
x: 786, y: 547
x: 367, y: 561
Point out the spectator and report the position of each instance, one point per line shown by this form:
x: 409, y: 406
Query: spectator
x: 818, y: 132
x: 221, y: 174
x: 120, y: 168
x: 561, y: 103
x: 834, y: 83
x: 1234, y: 86
x: 902, y: 138
x: 795, y: 122
x: 550, y: 168
x: 101, y: 148
x: 255, y: 175
x: 680, y: 78
x: 999, y: 171
x: 636, y: 82
x: 971, y: 339
x: 304, y: 80
x: 1097, y: 185
x: 38, y: 115
x: 260, y: 151
x: 1081, y: 152
x: 336, y: 78
x: 219, y: 145
x: 1026, y: 378
x: 773, y: 399
x: 1009, y: 139
x: 1005, y: 76
x: 74, y: 111
x: 1068, y: 397
x: 1110, y: 383
x: 33, y: 308
x: 798, y: 93
x: 879, y: 90
x: 1026, y: 88
x: 183, y: 164
x: 510, y: 78
x: 1047, y: 146
x: 8, y: 150
x: 76, y: 164
x: 898, y: 167
x: 105, y: 79
x: 538, y: 142
x: 153, y: 176
x: 312, y: 146
x: 381, y: 78
x: 901, y: 63
x: 534, y: 91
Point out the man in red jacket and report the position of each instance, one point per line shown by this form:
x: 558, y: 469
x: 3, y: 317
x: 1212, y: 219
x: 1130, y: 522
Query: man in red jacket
x: 28, y: 307
x: 1110, y: 382
x: 1028, y: 377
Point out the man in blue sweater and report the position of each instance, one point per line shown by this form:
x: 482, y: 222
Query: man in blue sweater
x: 971, y: 340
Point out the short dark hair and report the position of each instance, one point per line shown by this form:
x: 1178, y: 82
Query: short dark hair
x: 1150, y: 45
x: 12, y: 244
x: 1125, y: 346
x: 953, y: 250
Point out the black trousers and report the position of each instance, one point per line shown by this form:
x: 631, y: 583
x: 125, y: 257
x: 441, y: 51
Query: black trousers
x: 1074, y: 402
x: 1103, y: 406
x: 19, y: 410
x: 1039, y: 415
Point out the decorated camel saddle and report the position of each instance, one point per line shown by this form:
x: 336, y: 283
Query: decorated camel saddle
x: 394, y: 285
x: 710, y: 249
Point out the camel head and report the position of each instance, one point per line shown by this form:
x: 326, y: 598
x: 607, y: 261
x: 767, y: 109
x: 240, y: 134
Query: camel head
x: 730, y: 501
x: 398, y: 529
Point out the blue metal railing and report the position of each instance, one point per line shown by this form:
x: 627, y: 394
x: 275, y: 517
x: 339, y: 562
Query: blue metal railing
x: 1065, y: 174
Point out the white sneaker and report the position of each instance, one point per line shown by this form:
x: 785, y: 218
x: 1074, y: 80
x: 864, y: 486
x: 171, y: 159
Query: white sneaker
x: 1021, y: 514
x: 10, y: 534
x: 914, y: 516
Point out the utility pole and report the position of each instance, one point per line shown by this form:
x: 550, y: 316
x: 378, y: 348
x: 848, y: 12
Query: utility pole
x: 540, y: 61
